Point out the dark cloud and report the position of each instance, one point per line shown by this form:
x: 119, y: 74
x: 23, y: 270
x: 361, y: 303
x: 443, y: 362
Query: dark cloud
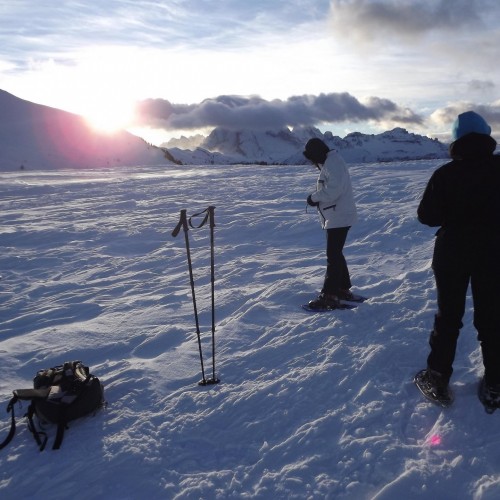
x: 368, y: 19
x: 490, y: 112
x: 481, y: 85
x: 237, y: 112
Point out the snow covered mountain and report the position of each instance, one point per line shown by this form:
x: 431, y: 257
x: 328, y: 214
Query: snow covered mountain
x: 33, y: 136
x: 285, y: 146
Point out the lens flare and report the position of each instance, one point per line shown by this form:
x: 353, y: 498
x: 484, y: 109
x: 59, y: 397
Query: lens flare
x: 435, y: 440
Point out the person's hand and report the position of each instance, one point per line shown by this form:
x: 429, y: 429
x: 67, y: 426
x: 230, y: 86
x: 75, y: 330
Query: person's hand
x: 312, y: 203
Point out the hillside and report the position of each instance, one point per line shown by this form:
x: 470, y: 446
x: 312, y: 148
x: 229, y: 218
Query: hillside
x: 35, y: 137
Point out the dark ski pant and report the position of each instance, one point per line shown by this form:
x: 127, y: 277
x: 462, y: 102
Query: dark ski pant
x: 337, y: 274
x: 452, y: 284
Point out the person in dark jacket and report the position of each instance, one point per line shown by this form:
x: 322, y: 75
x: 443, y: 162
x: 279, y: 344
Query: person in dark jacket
x: 462, y: 198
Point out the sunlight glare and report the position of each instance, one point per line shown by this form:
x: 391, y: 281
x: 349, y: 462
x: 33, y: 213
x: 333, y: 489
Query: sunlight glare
x: 109, y: 115
x: 105, y: 87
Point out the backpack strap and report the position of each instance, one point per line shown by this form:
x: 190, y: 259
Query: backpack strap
x: 40, y: 437
x: 25, y: 395
x: 12, y: 431
x: 61, y: 427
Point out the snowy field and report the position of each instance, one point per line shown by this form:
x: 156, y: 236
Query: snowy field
x: 309, y: 406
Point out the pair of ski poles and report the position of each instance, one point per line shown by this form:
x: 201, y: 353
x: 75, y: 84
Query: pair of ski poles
x: 184, y: 223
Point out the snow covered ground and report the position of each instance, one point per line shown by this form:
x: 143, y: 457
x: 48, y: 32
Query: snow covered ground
x: 309, y: 406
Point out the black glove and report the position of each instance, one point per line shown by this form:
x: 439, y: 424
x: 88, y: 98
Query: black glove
x: 312, y: 203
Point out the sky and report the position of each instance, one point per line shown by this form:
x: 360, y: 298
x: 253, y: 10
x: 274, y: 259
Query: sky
x: 166, y: 68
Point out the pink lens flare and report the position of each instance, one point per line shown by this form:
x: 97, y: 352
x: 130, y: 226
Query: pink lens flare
x: 435, y: 440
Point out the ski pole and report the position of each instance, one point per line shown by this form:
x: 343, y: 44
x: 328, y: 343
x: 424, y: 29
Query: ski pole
x: 210, y: 216
x: 184, y: 225
x: 211, y: 211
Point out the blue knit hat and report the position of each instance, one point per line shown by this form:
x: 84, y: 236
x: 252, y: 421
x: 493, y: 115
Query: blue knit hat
x: 467, y: 123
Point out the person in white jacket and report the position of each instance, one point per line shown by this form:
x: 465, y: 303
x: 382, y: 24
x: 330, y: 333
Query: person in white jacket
x: 337, y: 210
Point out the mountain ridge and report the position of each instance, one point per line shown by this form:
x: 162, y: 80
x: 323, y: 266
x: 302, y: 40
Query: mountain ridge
x: 35, y: 136
x: 285, y: 146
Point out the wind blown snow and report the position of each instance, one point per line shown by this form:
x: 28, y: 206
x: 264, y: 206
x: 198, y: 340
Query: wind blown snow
x: 308, y: 406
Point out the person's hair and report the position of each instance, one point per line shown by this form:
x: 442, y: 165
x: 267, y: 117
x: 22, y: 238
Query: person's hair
x: 316, y: 150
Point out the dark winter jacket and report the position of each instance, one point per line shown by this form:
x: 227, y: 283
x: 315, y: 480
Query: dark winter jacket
x: 463, y: 197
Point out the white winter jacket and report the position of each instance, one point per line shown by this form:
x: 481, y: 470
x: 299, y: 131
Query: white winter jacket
x: 334, y: 194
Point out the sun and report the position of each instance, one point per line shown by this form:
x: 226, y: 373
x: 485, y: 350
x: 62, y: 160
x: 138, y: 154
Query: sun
x: 109, y: 114
x: 106, y: 89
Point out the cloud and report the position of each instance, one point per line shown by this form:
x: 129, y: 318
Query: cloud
x: 481, y: 86
x: 490, y: 112
x: 237, y: 112
x: 52, y: 28
x: 381, y: 19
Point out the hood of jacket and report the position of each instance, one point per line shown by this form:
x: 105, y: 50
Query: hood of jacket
x: 472, y: 145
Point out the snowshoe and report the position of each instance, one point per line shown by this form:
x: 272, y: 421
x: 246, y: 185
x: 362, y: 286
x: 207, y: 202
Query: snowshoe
x: 325, y: 302
x: 489, y: 396
x: 432, y: 385
x: 348, y: 296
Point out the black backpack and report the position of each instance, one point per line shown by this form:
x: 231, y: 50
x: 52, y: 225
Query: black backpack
x: 59, y: 395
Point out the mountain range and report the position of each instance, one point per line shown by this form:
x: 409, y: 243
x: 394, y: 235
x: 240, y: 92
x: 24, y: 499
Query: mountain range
x: 34, y: 136
x: 285, y: 146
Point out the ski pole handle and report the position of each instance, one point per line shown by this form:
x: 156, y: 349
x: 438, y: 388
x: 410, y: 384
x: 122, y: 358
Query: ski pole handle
x: 211, y: 214
x: 182, y: 223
